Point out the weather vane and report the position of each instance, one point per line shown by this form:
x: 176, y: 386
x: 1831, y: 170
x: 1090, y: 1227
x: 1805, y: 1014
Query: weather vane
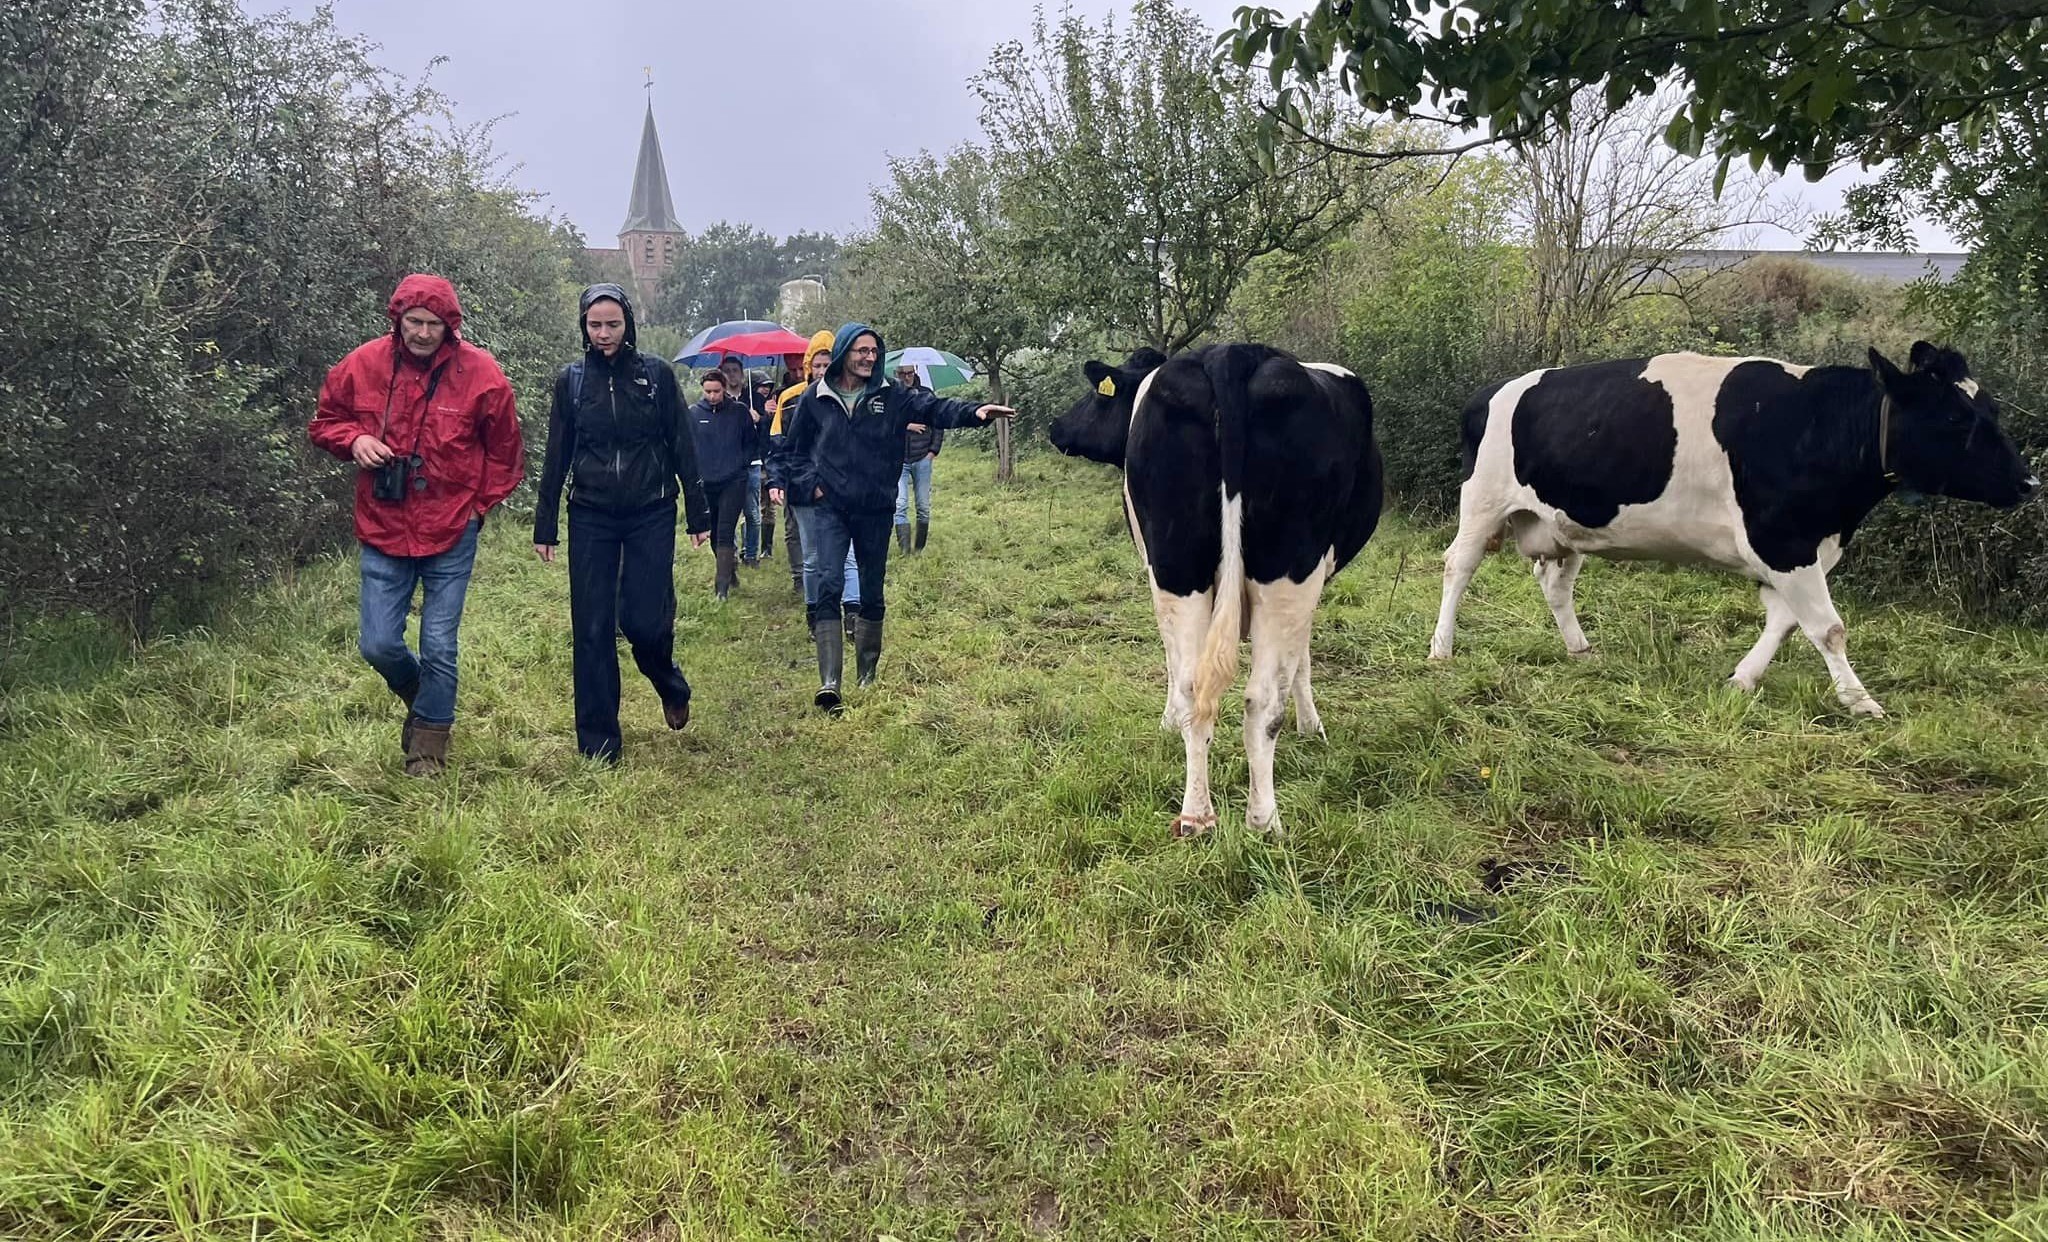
x: 649, y: 71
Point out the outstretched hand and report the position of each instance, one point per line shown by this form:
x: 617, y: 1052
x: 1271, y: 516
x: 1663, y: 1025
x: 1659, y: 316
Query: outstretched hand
x: 987, y: 412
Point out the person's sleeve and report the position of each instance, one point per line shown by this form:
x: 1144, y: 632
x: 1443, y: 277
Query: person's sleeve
x: 554, y: 470
x: 335, y: 427
x: 682, y: 447
x: 939, y: 412
x: 504, y: 445
x: 793, y: 469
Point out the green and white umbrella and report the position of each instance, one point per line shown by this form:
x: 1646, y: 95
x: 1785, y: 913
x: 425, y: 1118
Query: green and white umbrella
x: 936, y: 369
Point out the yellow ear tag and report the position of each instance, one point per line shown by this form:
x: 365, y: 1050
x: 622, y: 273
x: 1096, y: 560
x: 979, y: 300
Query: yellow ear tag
x: 1107, y: 387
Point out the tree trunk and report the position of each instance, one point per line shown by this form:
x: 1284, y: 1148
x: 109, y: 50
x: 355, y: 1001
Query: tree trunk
x: 1006, y: 453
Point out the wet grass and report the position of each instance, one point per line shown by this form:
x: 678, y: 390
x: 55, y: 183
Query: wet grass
x: 1555, y: 948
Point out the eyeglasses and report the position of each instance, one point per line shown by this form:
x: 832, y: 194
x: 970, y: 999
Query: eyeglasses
x: 863, y: 351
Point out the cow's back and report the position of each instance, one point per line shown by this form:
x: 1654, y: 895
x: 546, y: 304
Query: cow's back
x: 1310, y: 475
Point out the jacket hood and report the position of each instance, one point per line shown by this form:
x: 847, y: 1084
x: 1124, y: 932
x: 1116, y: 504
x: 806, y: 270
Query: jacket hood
x: 821, y: 343
x: 844, y: 340
x: 432, y: 292
x: 598, y: 293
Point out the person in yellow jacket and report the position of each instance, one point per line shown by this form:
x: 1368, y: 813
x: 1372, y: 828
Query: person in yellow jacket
x: 816, y: 359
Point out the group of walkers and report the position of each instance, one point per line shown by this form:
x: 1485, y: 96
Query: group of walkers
x: 431, y: 423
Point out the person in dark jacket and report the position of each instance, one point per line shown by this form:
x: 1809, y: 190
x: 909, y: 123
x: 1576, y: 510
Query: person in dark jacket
x: 920, y: 450
x: 618, y: 436
x: 844, y: 452
x: 726, y: 446
x: 740, y: 393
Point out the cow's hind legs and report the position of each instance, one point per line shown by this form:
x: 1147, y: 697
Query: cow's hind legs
x: 1282, y: 613
x: 1805, y: 592
x: 1307, y: 721
x: 1461, y: 561
x: 1778, y: 622
x: 1183, y: 623
x: 1556, y: 575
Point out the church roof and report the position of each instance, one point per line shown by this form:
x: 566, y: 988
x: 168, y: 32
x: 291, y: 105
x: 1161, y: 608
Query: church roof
x: 650, y: 210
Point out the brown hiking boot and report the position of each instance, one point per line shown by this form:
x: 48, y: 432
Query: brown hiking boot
x: 428, y: 753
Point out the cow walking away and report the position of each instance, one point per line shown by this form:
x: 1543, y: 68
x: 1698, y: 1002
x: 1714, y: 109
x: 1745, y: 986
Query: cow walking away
x: 1249, y: 479
x: 1750, y: 465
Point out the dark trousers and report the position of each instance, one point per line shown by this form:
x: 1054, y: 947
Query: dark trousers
x: 792, y: 543
x: 828, y: 532
x: 621, y: 577
x: 728, y: 501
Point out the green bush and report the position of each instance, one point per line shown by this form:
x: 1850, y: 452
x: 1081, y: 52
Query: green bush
x: 203, y: 212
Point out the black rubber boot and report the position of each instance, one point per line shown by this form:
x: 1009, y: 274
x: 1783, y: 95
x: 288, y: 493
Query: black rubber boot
x: 903, y: 537
x: 867, y: 649
x: 924, y: 528
x: 848, y: 614
x: 831, y: 659
x: 722, y: 585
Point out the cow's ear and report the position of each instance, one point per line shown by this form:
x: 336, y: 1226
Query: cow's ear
x: 1887, y: 374
x: 1923, y: 357
x: 1101, y: 375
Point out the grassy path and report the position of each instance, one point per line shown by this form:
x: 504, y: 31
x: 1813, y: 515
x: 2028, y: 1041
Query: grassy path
x: 933, y: 971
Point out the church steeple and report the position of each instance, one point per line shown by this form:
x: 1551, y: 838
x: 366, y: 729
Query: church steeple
x: 651, y: 237
x: 650, y: 209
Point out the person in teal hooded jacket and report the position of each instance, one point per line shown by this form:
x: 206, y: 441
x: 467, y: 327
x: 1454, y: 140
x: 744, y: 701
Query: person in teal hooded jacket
x: 842, y: 456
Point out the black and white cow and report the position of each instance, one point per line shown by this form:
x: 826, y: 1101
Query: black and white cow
x: 1750, y: 465
x: 1249, y: 478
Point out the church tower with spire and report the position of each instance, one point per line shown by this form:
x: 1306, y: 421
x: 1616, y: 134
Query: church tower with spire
x: 650, y: 237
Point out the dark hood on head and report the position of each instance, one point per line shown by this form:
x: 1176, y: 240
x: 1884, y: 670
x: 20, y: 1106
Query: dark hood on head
x: 597, y: 293
x: 848, y: 334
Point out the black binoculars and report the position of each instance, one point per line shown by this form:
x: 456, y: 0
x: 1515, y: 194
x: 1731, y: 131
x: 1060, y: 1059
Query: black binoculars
x: 392, y: 480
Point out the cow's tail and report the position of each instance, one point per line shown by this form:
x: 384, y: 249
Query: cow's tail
x: 1230, y: 372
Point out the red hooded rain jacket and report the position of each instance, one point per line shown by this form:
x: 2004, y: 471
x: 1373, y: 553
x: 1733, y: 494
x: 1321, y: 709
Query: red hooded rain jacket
x: 467, y: 435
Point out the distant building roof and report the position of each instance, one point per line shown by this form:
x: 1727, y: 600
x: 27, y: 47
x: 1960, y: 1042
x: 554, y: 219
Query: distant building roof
x: 650, y: 209
x: 1892, y: 266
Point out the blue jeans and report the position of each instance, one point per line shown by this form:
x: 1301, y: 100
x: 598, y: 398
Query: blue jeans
x: 831, y: 539
x: 388, y: 584
x: 917, y: 478
x: 750, y: 541
x: 849, y: 573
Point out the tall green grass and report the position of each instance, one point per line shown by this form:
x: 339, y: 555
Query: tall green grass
x: 1555, y: 948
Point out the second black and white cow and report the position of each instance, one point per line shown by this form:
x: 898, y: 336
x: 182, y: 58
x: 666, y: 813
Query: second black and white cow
x: 1249, y: 478
x: 1750, y: 465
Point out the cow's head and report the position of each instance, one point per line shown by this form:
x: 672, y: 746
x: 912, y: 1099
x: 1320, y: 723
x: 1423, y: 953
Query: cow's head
x: 1944, y: 434
x: 1099, y: 423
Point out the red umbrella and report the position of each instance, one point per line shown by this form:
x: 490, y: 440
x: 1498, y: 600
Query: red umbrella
x: 759, y: 344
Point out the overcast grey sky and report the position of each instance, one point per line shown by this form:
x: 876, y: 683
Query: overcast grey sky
x: 740, y: 86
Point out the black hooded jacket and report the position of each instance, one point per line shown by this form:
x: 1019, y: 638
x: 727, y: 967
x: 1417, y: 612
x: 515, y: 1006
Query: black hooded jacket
x: 856, y: 456
x: 617, y: 433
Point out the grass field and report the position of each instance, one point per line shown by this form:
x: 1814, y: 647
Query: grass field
x: 1554, y: 949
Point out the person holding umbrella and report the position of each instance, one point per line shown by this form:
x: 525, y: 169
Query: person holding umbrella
x: 618, y: 436
x: 844, y: 453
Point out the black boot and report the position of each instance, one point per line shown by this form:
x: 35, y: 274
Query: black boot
x: 923, y: 528
x: 831, y: 659
x: 903, y: 536
x: 722, y: 585
x: 849, y: 614
x: 867, y: 649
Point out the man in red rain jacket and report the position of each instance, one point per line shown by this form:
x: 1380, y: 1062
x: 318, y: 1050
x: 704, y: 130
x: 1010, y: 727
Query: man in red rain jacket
x: 429, y: 421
